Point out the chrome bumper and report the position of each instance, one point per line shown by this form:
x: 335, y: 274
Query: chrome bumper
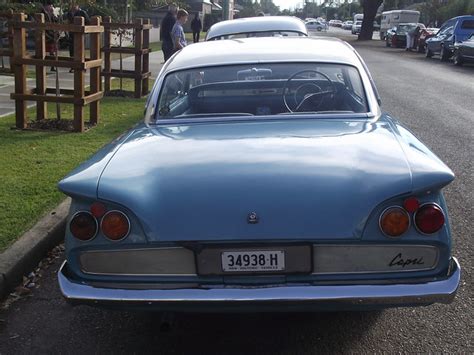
x: 441, y: 290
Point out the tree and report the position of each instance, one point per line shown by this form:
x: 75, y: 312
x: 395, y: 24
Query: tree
x: 370, y: 10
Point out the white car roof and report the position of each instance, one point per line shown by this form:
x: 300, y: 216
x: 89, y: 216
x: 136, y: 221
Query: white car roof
x: 256, y: 24
x: 268, y: 49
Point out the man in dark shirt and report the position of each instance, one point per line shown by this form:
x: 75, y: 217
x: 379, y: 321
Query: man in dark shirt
x: 165, y: 32
x: 196, y: 26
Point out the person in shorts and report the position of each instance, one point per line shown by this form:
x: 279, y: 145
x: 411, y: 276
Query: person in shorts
x: 177, y: 33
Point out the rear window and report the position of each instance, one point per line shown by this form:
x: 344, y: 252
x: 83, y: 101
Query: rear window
x: 467, y: 25
x: 262, y: 89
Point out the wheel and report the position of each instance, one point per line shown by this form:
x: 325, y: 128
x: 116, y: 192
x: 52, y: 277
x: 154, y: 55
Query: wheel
x: 428, y: 52
x: 319, y: 29
x: 457, y: 58
x: 443, y: 54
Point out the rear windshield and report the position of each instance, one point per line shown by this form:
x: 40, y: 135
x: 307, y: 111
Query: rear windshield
x: 260, y: 34
x: 262, y: 89
x: 467, y: 25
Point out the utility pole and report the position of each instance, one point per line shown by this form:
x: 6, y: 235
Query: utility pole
x: 225, y: 9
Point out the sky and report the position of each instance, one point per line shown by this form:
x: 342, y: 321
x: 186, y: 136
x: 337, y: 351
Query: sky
x: 286, y: 4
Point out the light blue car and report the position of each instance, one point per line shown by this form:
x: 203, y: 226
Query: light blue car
x: 264, y: 178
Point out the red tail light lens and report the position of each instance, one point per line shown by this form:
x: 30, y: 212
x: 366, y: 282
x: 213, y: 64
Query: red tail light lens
x: 115, y: 225
x: 429, y: 218
x: 394, y: 221
x: 83, y: 226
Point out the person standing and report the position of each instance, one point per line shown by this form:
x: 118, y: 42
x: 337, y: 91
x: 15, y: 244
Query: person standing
x: 165, y: 32
x: 196, y: 27
x: 177, y: 33
x: 410, y: 37
x: 74, y: 11
x: 51, y: 37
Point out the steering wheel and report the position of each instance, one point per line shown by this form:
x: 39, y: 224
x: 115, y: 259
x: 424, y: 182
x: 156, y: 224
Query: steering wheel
x: 307, y: 91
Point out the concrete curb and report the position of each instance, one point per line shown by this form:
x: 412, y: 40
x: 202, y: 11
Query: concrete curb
x: 27, y: 252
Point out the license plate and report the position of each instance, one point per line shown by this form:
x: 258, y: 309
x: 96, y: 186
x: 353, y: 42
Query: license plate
x: 255, y: 260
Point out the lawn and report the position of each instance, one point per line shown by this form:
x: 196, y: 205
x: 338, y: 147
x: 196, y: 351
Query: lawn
x: 32, y: 162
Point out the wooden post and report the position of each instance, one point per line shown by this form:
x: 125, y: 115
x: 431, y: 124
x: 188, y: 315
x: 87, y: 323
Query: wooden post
x: 95, y: 72
x: 107, y: 59
x: 79, y: 81
x: 138, y: 56
x: 19, y: 49
x: 40, y: 48
x: 146, y: 56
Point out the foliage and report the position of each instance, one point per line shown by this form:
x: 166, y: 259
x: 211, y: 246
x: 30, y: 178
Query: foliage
x: 344, y: 12
x: 251, y: 8
x: 100, y: 10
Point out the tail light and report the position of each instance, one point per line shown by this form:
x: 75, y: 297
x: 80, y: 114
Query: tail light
x: 429, y: 218
x: 115, y: 225
x: 83, y: 226
x: 394, y: 221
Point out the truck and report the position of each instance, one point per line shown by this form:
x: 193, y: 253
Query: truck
x: 395, y: 17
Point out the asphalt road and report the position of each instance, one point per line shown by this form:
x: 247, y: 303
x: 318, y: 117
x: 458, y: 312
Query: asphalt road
x: 436, y: 101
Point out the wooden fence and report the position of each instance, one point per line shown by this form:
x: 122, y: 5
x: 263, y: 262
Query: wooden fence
x: 79, y: 97
x: 6, y: 34
x: 141, y: 49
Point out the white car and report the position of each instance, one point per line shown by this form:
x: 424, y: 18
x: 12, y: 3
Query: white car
x: 347, y: 25
x: 268, y: 26
x: 356, y: 27
x: 316, y: 26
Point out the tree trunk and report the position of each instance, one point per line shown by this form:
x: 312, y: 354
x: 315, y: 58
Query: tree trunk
x: 370, y: 10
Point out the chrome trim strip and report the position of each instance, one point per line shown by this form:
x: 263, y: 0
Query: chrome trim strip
x: 414, y: 218
x: 441, y: 290
x: 315, y: 246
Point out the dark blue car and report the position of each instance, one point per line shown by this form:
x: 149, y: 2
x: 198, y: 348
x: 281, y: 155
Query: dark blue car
x: 454, y: 30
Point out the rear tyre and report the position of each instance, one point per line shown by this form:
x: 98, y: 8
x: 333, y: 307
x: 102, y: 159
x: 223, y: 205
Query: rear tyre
x: 457, y: 59
x: 428, y: 53
x: 319, y: 29
x: 443, y: 55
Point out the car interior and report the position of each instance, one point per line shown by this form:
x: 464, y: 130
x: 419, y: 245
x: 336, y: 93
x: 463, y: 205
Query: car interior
x: 263, y: 91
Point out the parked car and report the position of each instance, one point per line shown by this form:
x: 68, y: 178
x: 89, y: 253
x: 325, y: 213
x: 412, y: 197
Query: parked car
x: 464, y: 51
x: 356, y: 26
x: 264, y: 177
x: 316, y: 26
x: 337, y: 23
x: 397, y: 36
x: 347, y: 25
x: 424, y: 35
x: 261, y: 26
x: 393, y: 18
x: 454, y: 30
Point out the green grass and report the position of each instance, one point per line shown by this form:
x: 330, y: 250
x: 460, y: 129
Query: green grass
x: 32, y: 162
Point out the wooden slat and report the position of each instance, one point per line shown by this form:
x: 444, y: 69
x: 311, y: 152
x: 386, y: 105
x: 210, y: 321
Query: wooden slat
x: 19, y: 49
x: 138, y: 57
x: 40, y: 98
x: 115, y: 73
x: 49, y: 62
x: 40, y: 53
x: 57, y: 27
x: 93, y: 63
x: 92, y: 98
x: 95, y: 75
x: 127, y: 50
x: 107, y: 56
x: 5, y: 52
x: 79, y: 81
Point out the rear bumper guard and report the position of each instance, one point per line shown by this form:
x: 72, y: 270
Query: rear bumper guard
x: 441, y: 290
